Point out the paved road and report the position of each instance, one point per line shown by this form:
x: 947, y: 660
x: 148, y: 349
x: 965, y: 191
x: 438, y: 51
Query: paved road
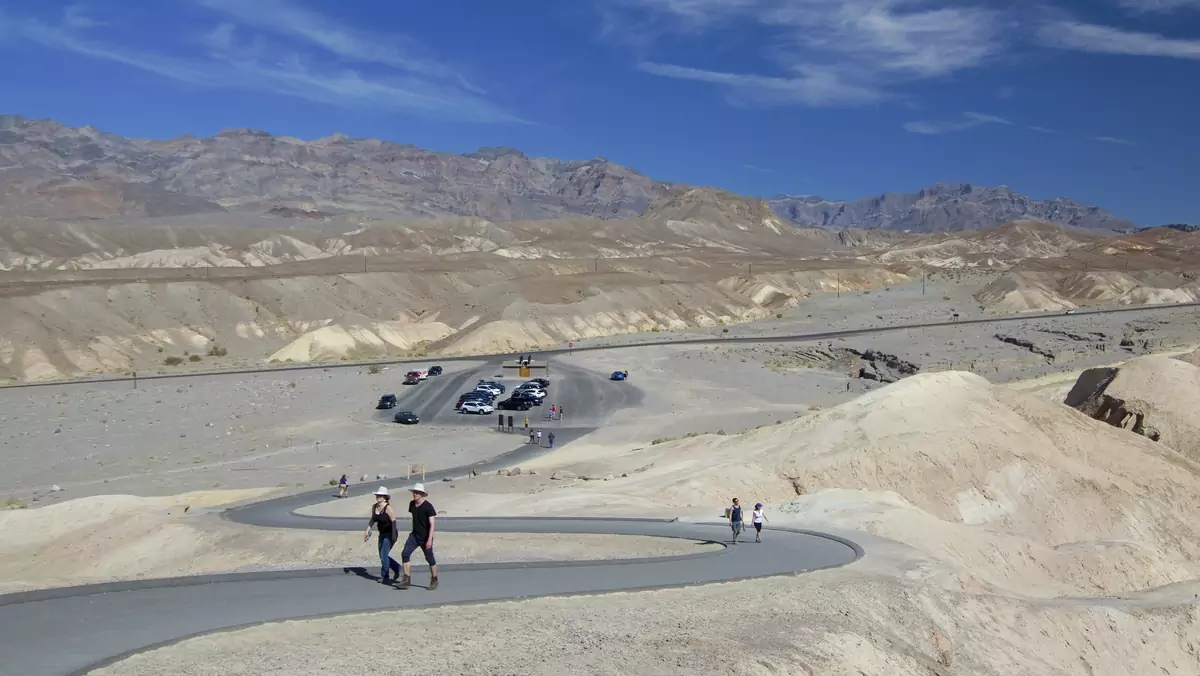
x: 72, y: 630
x: 545, y: 354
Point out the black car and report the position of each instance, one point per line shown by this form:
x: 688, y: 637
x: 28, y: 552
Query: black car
x: 528, y: 397
x: 540, y: 381
x: 386, y: 401
x: 515, y: 404
x: 407, y: 418
x: 435, y: 370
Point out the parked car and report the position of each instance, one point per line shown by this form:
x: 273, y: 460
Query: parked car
x: 474, y: 396
x: 477, y: 407
x: 531, y: 392
x: 515, y: 403
x: 386, y: 401
x: 435, y: 370
x: 529, y: 397
x: 406, y: 418
x: 540, y: 381
x: 619, y: 375
x: 490, y: 389
x: 492, y: 383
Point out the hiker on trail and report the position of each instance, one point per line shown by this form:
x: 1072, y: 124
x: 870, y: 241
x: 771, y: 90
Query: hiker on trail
x: 553, y: 408
x: 531, y: 435
x: 551, y: 438
x: 424, y: 523
x: 539, y: 437
x: 735, y: 519
x: 758, y: 517
x: 343, y: 485
x: 384, y: 517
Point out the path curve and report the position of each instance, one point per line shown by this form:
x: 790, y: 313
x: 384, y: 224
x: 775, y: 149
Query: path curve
x: 74, y: 630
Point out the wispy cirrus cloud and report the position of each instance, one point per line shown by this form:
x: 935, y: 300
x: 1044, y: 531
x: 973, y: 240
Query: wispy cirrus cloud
x: 967, y: 121
x: 1097, y: 39
x: 288, y: 19
x: 227, y: 58
x: 1113, y: 140
x: 761, y: 170
x: 1147, y: 6
x: 835, y: 52
x: 810, y: 86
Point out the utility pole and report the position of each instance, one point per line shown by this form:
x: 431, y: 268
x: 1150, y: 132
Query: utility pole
x: 750, y: 269
x: 839, y: 285
x: 922, y: 280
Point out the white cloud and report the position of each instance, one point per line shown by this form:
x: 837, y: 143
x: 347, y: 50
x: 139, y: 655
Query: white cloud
x: 811, y: 87
x: 286, y: 18
x: 1112, y: 139
x: 763, y: 170
x: 1107, y: 40
x: 75, y: 16
x: 857, y: 46
x: 1005, y: 93
x: 1158, y: 5
x: 259, y: 67
x: 1044, y: 130
x: 968, y: 121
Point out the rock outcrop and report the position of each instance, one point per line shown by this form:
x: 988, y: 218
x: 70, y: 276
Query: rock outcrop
x: 1155, y: 397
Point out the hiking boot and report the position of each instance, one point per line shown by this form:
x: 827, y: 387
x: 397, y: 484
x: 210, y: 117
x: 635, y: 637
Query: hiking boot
x: 404, y: 582
x: 433, y: 583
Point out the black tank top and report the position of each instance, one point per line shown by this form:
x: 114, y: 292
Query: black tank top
x: 384, y: 523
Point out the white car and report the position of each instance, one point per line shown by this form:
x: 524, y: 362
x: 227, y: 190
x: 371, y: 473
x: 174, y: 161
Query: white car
x: 423, y: 375
x: 477, y: 407
x: 537, y: 392
x: 494, y: 391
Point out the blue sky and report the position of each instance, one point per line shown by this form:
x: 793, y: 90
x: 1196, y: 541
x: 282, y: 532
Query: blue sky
x: 1096, y: 100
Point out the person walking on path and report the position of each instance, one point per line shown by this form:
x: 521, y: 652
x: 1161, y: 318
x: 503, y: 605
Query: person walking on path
x: 551, y: 438
x: 384, y: 518
x: 424, y: 523
x: 343, y: 486
x: 735, y: 519
x: 526, y: 422
x: 758, y: 517
x: 539, y: 437
x: 532, y: 434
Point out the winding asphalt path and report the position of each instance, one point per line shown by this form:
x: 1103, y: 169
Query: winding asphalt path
x: 73, y: 630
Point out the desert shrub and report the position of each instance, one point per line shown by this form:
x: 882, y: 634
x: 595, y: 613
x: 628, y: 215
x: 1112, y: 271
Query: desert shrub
x: 194, y: 358
x: 173, y: 361
x: 778, y: 315
x: 654, y: 330
x: 217, y: 351
x: 724, y: 330
x: 373, y: 370
x: 945, y: 297
x: 721, y: 432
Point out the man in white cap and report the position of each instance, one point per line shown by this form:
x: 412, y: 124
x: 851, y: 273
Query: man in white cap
x: 424, y: 522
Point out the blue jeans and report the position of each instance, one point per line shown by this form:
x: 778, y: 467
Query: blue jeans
x: 386, y: 562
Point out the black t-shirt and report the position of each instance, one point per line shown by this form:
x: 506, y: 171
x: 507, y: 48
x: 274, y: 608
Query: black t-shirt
x: 421, y: 515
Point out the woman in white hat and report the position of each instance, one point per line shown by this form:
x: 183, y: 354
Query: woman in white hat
x: 383, y: 516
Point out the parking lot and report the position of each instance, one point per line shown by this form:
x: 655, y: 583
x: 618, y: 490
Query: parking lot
x: 586, y: 397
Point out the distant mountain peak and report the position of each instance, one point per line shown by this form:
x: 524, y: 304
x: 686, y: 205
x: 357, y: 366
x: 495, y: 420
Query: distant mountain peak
x: 944, y: 207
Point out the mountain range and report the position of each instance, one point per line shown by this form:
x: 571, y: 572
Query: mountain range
x: 51, y: 171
